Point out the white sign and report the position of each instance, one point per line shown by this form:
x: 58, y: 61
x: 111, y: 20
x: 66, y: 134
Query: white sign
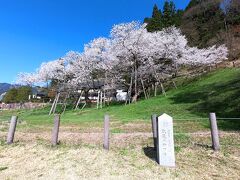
x: 121, y: 96
x: 165, y: 150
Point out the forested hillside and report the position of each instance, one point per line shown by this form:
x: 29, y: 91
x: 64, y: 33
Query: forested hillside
x: 4, y: 87
x: 203, y: 22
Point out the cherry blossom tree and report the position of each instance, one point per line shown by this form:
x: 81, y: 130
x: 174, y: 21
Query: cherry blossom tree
x: 27, y: 79
x: 131, y: 47
x: 142, y: 54
x: 131, y: 57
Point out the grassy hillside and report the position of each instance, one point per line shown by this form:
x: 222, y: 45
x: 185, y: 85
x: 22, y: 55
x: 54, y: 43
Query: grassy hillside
x: 131, y: 152
x: 216, y: 92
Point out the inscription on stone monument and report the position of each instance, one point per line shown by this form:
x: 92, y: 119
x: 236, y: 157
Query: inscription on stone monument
x: 165, y: 145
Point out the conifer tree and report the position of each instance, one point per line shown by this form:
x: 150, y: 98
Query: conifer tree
x: 169, y: 14
x: 178, y: 18
x: 156, y: 13
x: 154, y: 23
x: 169, y: 17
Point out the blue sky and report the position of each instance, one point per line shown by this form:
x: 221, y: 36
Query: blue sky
x: 35, y: 31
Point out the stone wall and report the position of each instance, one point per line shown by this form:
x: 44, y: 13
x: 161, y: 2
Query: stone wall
x: 29, y: 105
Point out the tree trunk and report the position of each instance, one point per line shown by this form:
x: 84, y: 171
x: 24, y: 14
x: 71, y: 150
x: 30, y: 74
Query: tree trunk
x: 163, y: 90
x: 135, y: 82
x: 174, y: 84
x: 134, y: 98
x: 86, y: 95
x: 155, y: 89
x: 129, y: 92
x: 144, y: 91
x: 104, y: 98
x: 176, y: 70
x: 148, y: 92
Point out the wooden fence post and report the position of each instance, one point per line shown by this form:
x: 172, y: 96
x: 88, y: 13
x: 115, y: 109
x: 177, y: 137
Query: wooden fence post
x: 154, y: 130
x: 214, y: 132
x: 55, y: 130
x: 12, y: 129
x: 106, y: 132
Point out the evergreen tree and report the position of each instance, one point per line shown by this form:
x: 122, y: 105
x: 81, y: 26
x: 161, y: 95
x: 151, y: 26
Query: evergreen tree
x: 154, y: 23
x: 169, y: 17
x: 166, y: 14
x: 156, y: 13
x: 204, y: 22
x: 172, y: 9
x: 169, y: 14
x: 178, y: 18
x: 233, y: 12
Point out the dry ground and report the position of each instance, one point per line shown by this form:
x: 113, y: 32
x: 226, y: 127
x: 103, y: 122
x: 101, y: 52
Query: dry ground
x: 80, y: 155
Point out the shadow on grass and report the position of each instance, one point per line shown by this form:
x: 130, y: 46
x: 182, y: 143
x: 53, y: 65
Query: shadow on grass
x: 151, y: 153
x: 206, y: 146
x: 222, y: 98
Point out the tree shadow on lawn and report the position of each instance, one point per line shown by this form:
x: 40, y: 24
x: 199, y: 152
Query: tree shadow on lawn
x: 206, y: 146
x: 224, y: 99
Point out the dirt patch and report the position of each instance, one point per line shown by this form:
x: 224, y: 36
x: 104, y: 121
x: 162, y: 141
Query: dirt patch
x: 136, y: 127
x: 73, y: 138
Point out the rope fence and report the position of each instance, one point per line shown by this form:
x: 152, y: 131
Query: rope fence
x: 11, y: 123
x: 165, y: 140
x: 196, y: 119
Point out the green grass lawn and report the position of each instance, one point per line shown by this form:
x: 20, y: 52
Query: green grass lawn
x: 215, y: 92
x: 131, y: 144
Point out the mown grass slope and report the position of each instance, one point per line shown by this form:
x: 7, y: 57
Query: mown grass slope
x: 215, y: 92
x: 131, y: 153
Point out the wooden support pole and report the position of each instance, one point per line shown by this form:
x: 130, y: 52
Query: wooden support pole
x: 53, y: 105
x: 214, y: 132
x: 106, y: 132
x: 55, y: 130
x: 56, y: 103
x: 98, y: 99
x: 154, y: 130
x: 12, y: 129
x: 84, y: 106
x: 101, y: 99
x: 144, y: 90
x: 130, y: 91
x: 65, y: 102
x: 163, y: 90
x: 79, y: 100
x: 155, y: 89
x: 104, y: 98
